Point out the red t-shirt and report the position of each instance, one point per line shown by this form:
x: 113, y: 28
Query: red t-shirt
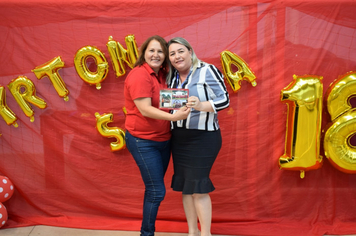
x: 141, y: 82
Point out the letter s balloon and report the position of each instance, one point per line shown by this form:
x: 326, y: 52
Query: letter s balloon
x: 110, y: 132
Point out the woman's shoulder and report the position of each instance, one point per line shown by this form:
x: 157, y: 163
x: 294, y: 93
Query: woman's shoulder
x: 213, y: 71
x: 137, y: 71
x: 136, y: 76
x: 212, y: 66
x: 207, y: 65
x: 137, y: 68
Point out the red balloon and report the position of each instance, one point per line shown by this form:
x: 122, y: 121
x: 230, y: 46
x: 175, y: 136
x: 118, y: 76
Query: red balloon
x: 3, y: 215
x: 6, y: 188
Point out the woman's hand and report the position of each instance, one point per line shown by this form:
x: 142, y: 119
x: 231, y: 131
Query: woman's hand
x: 147, y: 110
x: 181, y: 114
x: 194, y: 102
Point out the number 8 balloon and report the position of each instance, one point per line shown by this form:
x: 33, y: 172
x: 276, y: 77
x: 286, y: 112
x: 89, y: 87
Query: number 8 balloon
x: 337, y: 145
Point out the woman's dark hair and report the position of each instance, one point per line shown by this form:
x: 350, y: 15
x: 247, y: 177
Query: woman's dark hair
x: 162, y: 41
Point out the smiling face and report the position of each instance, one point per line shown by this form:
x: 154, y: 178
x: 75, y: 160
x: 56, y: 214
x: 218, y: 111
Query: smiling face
x: 154, y: 55
x: 180, y: 57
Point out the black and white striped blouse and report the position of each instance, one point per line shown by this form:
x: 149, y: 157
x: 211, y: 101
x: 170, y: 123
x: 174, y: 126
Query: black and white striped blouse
x: 206, y: 83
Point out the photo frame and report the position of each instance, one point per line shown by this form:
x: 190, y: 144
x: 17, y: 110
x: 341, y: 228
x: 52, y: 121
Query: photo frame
x: 173, y: 98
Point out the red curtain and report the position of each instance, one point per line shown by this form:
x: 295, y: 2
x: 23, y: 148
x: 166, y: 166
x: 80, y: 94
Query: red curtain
x: 63, y: 170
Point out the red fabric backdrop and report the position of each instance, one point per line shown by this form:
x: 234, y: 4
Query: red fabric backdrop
x: 63, y: 170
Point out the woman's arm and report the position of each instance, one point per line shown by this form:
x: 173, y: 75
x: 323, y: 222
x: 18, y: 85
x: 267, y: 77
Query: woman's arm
x: 146, y: 109
x: 215, y: 81
x: 215, y: 88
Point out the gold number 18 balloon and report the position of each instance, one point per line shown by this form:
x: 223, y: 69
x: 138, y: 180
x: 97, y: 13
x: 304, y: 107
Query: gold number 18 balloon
x: 304, y: 98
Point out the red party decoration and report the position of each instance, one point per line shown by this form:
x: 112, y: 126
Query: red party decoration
x: 6, y: 188
x: 3, y: 215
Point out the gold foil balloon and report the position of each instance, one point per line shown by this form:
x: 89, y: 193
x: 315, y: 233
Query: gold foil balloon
x: 339, y: 93
x: 119, y: 55
x: 235, y: 78
x: 24, y: 92
x: 110, y: 132
x: 338, y: 149
x: 337, y: 146
x: 304, y: 98
x: 80, y: 63
x: 5, y: 112
x: 50, y: 69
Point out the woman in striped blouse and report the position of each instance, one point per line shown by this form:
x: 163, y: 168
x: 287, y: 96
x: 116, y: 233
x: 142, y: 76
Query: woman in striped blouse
x: 196, y: 141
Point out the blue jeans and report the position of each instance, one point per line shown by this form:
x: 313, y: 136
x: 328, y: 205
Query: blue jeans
x: 152, y: 158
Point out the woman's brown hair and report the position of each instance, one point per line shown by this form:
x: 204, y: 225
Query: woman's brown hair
x: 162, y: 41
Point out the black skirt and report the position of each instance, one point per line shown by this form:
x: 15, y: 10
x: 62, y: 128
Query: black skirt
x: 194, y: 153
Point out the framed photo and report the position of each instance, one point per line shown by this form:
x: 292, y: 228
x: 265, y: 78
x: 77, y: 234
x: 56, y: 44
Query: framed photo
x: 173, y: 98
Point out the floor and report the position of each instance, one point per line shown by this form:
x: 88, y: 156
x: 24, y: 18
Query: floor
x: 41, y: 230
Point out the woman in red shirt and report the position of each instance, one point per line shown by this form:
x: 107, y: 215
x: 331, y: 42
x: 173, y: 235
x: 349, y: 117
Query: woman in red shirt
x: 147, y: 127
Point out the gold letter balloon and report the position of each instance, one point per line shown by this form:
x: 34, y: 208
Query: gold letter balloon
x: 24, y: 92
x: 119, y: 55
x: 80, y: 63
x: 235, y: 78
x: 337, y: 141
x: 5, y: 112
x: 50, y: 69
x: 304, y: 98
x: 110, y: 132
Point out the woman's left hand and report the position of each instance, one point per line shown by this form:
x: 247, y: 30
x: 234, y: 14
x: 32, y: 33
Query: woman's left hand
x: 193, y: 102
